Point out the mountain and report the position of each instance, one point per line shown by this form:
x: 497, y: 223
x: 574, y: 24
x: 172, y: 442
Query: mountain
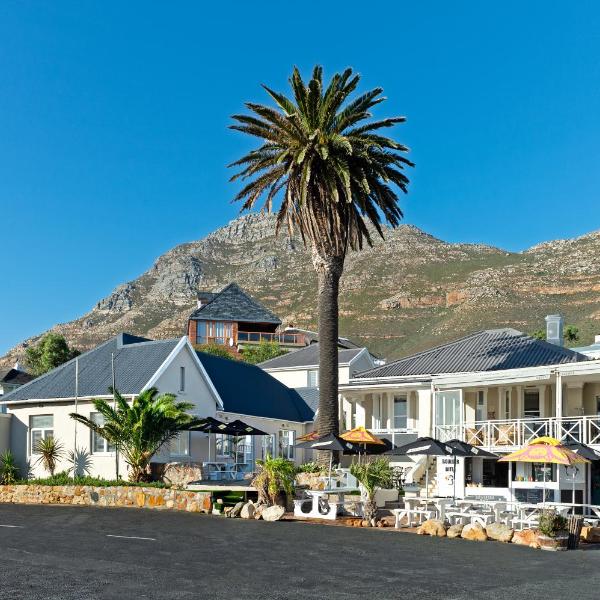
x: 408, y: 292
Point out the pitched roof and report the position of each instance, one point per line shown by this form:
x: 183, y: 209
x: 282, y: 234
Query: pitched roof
x: 247, y: 390
x: 489, y: 350
x: 14, y: 376
x: 307, y: 357
x: 136, y: 360
x: 232, y: 303
x: 310, y: 395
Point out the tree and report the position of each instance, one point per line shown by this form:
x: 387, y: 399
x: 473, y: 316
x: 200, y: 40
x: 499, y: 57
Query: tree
x: 215, y: 349
x: 335, y: 173
x: 50, y: 451
x: 274, y: 476
x: 539, y: 334
x: 263, y: 351
x: 50, y: 352
x: 372, y: 475
x: 139, y: 429
x: 571, y: 334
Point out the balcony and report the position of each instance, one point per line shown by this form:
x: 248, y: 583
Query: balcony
x: 509, y: 434
x: 283, y: 339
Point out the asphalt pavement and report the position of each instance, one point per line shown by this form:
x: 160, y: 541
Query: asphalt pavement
x: 64, y: 552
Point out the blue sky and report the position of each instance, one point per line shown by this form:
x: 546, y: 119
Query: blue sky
x: 113, y: 116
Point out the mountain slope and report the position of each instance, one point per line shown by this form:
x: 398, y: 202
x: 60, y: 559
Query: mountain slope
x: 404, y: 294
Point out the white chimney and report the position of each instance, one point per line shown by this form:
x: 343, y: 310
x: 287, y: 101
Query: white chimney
x: 597, y: 339
x: 554, y: 329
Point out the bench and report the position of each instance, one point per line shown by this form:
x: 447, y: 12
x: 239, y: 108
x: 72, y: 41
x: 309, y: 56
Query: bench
x: 400, y: 513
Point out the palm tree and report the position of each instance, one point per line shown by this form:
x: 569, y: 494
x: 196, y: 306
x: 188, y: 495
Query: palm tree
x: 51, y: 451
x: 372, y: 475
x: 139, y: 429
x: 336, y: 174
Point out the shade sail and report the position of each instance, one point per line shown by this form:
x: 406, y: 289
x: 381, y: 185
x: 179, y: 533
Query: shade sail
x: 545, y: 450
x: 427, y: 446
x: 470, y: 450
x: 360, y: 435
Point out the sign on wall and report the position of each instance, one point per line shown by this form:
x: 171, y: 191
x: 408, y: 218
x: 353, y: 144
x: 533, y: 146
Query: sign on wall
x: 447, y: 473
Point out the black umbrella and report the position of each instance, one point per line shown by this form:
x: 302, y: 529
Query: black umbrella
x: 472, y: 451
x: 212, y: 425
x: 241, y: 428
x: 586, y: 452
x: 428, y: 446
x: 330, y: 443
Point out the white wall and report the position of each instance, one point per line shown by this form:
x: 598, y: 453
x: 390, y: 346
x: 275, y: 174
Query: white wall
x: 4, y: 432
x: 295, y: 378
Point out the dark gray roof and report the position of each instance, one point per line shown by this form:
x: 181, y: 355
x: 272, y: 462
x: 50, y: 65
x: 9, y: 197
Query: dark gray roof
x: 307, y: 357
x: 489, y: 350
x: 247, y: 390
x: 232, y: 303
x: 136, y: 360
x: 14, y: 376
x: 310, y: 395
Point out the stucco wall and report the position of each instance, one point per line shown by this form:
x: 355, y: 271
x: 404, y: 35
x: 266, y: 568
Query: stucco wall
x: 4, y: 432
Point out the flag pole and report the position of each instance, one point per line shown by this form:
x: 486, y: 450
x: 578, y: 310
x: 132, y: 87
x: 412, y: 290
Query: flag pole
x: 76, y: 405
x: 114, y: 384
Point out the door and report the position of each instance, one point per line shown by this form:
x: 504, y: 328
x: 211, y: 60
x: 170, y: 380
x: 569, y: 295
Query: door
x: 400, y: 411
x: 448, y: 414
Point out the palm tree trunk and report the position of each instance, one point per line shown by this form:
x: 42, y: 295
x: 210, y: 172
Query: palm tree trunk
x: 329, y: 270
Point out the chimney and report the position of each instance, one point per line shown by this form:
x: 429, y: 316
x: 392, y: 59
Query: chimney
x: 554, y: 329
x: 597, y: 339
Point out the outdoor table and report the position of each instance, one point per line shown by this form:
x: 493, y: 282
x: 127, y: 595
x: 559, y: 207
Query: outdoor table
x: 315, y: 496
x: 440, y: 505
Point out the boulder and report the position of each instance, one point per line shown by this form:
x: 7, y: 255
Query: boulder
x: 499, y: 532
x: 247, y: 511
x: 236, y: 510
x: 474, y: 532
x: 591, y: 535
x: 527, y: 537
x: 432, y: 527
x: 454, y: 531
x: 273, y: 513
x: 258, y: 511
x: 180, y: 474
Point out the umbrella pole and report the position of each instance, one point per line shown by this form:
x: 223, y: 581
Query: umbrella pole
x: 330, y: 466
x: 454, y: 480
x: 427, y: 477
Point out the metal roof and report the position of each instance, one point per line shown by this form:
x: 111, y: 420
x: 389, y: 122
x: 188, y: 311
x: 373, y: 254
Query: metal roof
x: 489, y: 350
x: 136, y: 360
x: 232, y: 303
x: 308, y: 357
x: 14, y: 376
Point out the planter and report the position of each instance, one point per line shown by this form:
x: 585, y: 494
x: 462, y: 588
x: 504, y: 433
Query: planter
x: 553, y: 544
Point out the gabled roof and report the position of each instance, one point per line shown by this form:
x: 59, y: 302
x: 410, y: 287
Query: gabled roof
x: 14, y: 377
x: 308, y: 357
x: 489, y: 350
x: 247, y: 390
x: 232, y: 303
x: 136, y: 360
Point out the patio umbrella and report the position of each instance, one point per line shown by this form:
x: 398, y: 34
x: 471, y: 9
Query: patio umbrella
x: 308, y: 437
x: 212, y: 425
x: 427, y: 446
x: 587, y: 452
x: 330, y: 443
x: 363, y: 437
x: 545, y: 450
x: 241, y: 428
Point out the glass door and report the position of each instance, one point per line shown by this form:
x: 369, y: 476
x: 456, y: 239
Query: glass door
x: 448, y: 414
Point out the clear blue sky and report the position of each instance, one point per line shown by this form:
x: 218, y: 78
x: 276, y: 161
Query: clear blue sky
x: 113, y: 139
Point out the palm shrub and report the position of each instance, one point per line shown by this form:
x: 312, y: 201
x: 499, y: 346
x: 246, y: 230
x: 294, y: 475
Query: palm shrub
x: 51, y: 452
x: 335, y: 173
x: 372, y: 475
x: 139, y: 429
x: 9, y: 472
x: 274, y: 476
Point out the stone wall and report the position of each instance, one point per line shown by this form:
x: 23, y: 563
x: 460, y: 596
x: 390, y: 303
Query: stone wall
x: 118, y: 496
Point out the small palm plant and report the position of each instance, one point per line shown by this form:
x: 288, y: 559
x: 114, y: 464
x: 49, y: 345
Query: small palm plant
x: 80, y: 462
x: 9, y: 471
x: 50, y: 451
x: 138, y: 430
x: 274, y: 476
x: 374, y: 475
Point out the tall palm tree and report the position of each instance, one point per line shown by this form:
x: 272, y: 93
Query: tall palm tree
x: 139, y: 429
x: 335, y: 174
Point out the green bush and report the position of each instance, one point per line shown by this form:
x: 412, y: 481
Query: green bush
x: 64, y: 478
x: 311, y: 467
x: 551, y: 523
x: 8, y: 469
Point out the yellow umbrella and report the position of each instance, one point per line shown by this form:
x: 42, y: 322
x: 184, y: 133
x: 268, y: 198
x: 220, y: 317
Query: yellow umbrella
x: 360, y: 435
x: 545, y: 450
x: 311, y: 436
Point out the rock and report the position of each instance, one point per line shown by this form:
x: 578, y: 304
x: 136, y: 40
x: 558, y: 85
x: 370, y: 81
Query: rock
x: 474, y: 532
x: 180, y: 474
x: 432, y: 527
x: 365, y: 523
x: 247, y: 511
x: 454, y: 531
x: 499, y: 532
x: 527, y: 537
x: 258, y: 511
x: 591, y: 535
x: 273, y: 513
x: 236, y: 510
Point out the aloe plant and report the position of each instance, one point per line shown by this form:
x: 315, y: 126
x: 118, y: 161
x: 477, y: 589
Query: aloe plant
x: 9, y: 471
x: 50, y: 451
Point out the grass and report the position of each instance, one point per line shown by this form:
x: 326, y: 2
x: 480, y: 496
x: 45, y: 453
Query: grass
x: 65, y: 479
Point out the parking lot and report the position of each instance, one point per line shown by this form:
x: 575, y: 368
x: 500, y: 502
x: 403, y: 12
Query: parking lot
x: 54, y: 552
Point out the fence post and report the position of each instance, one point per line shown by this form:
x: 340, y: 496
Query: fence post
x: 575, y: 523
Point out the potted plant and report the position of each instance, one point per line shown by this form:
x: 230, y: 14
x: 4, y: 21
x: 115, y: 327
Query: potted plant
x: 553, y: 534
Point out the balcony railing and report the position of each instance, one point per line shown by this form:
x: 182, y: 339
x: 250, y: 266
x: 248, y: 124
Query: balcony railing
x: 285, y: 339
x: 513, y: 433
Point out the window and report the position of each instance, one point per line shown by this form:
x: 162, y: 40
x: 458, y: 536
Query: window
x: 400, y: 412
x: 287, y: 439
x: 268, y: 445
x: 313, y: 378
x: 42, y: 427
x: 481, y: 408
x: 180, y: 445
x: 506, y: 409
x: 182, y: 379
x: 216, y: 332
x: 598, y: 406
x: 99, y: 444
x: 531, y: 403
x: 224, y: 444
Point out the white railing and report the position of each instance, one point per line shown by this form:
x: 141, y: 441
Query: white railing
x: 512, y: 433
x: 396, y: 436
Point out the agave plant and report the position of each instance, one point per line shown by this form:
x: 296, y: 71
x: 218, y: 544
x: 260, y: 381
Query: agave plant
x: 80, y: 462
x: 138, y: 430
x: 9, y: 471
x: 335, y: 174
x: 51, y: 451
x: 274, y: 476
x: 372, y: 475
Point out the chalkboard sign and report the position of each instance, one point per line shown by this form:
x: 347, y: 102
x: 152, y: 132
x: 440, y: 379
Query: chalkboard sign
x: 529, y: 496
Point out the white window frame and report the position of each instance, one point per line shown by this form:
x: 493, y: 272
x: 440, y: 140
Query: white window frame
x: 484, y: 406
x: 540, y: 409
x: 182, y: 379
x: 287, y: 450
x: 46, y: 432
x: 312, y: 373
x: 108, y: 449
x: 175, y: 444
